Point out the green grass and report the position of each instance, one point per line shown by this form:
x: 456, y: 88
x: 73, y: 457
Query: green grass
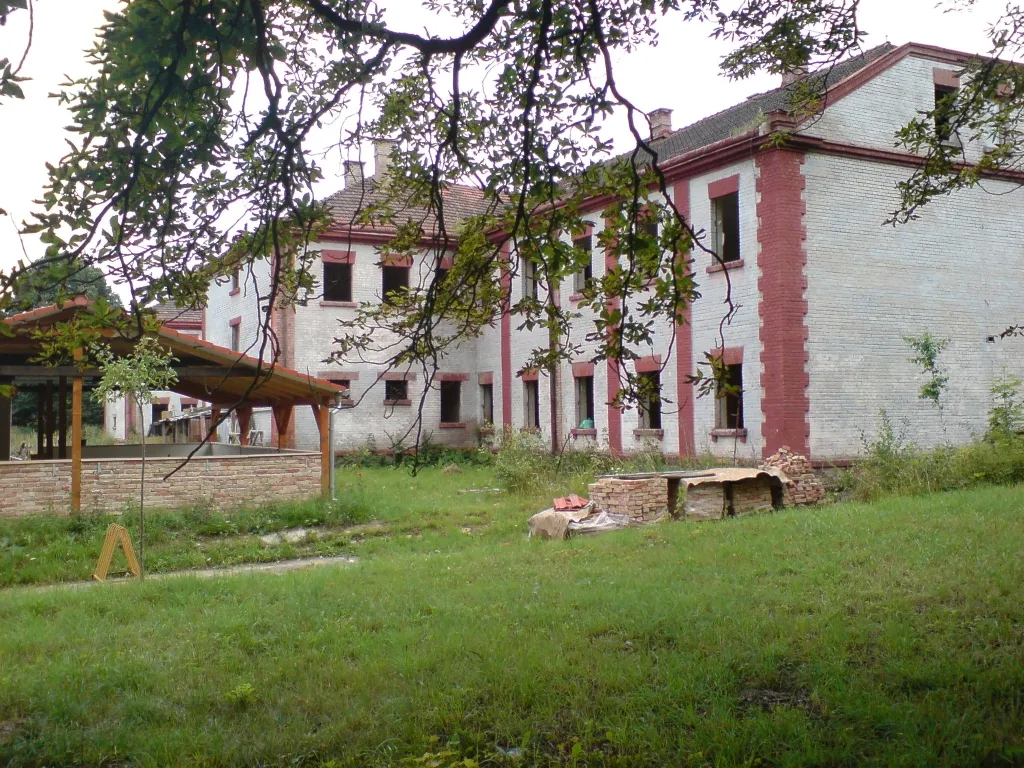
x: 882, y: 634
x: 378, y: 510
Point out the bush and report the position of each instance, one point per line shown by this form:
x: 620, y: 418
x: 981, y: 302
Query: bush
x: 893, y: 466
x: 524, y: 464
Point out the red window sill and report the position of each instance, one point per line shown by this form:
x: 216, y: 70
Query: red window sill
x: 486, y: 431
x: 347, y: 402
x: 531, y: 430
x: 658, y: 433
x: 738, y: 434
x: 341, y: 304
x: 577, y: 297
x: 729, y: 265
x: 398, y: 402
x: 235, y: 291
x: 452, y: 425
x: 583, y: 432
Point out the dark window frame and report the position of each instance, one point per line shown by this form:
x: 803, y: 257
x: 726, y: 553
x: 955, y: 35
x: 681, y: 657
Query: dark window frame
x: 725, y: 212
x: 531, y: 416
x: 729, y: 399
x: 393, y: 279
x: 338, y: 288
x: 487, y: 403
x: 581, y: 278
x: 451, y: 398
x: 649, y: 416
x: 396, y: 390
x: 584, y: 387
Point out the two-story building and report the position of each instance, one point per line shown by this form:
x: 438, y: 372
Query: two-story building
x: 825, y: 292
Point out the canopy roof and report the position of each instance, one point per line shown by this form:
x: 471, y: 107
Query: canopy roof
x: 205, y: 371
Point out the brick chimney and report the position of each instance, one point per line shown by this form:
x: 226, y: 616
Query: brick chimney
x: 790, y: 77
x: 353, y: 173
x: 382, y: 149
x: 661, y: 122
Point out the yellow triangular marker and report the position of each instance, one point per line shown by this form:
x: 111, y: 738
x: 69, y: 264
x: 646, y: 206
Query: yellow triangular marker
x: 116, y: 534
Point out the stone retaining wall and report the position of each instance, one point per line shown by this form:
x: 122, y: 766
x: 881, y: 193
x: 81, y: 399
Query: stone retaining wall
x: 108, y: 485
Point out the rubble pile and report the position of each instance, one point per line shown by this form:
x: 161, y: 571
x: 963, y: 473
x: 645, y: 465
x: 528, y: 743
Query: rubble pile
x: 803, y: 486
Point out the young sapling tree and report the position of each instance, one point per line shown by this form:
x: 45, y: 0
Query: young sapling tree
x: 135, y: 377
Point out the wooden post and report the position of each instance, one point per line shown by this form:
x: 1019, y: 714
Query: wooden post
x: 323, y: 414
x: 40, y: 422
x: 62, y: 417
x: 76, y: 439
x: 244, y: 423
x: 214, y: 418
x: 49, y: 420
x: 283, y: 421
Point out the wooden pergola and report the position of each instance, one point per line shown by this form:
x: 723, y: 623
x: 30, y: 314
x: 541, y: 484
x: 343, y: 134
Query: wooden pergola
x: 228, y: 380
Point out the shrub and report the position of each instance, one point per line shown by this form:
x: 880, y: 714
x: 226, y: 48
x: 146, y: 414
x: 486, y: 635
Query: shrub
x: 893, y: 466
x: 1006, y: 415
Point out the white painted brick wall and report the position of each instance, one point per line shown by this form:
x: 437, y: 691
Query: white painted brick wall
x: 744, y: 327
x: 955, y: 272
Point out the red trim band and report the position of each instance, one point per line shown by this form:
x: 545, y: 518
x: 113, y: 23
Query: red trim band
x: 724, y: 187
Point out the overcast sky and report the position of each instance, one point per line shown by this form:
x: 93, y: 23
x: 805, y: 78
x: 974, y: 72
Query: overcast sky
x: 680, y: 73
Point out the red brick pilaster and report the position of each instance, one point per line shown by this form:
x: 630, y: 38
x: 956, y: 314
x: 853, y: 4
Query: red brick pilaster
x: 684, y: 345
x: 783, y: 307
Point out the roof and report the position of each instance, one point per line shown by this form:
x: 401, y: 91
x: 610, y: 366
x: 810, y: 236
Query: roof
x: 459, y: 202
x: 206, y: 371
x: 741, y: 118
x: 169, y: 313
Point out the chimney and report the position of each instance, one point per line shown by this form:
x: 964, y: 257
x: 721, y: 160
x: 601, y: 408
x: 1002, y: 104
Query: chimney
x: 382, y: 150
x: 661, y: 122
x: 790, y: 77
x: 353, y: 173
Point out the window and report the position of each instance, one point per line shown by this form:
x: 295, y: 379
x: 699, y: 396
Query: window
x: 727, y: 226
x: 487, y: 403
x: 235, y: 279
x: 393, y: 279
x: 451, y: 401
x: 650, y: 400
x: 585, y: 402
x: 159, y: 412
x: 531, y: 405
x: 648, y: 226
x: 945, y: 95
x: 729, y: 399
x: 337, y: 281
x: 396, y: 390
x: 346, y: 385
x: 530, y: 280
x: 236, y: 337
x: 581, y: 278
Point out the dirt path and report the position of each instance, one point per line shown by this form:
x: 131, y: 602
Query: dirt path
x: 280, y: 566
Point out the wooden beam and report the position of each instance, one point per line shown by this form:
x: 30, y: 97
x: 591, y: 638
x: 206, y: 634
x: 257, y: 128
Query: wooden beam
x: 76, y: 440
x: 283, y: 421
x: 49, y: 420
x: 62, y: 418
x: 323, y: 414
x: 244, y: 423
x: 188, y: 371
x: 214, y: 418
x: 40, y: 422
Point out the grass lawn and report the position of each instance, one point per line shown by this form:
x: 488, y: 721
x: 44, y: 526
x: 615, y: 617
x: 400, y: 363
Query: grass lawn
x: 883, y: 634
x: 378, y: 509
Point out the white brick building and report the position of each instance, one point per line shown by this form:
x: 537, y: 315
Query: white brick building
x: 826, y: 293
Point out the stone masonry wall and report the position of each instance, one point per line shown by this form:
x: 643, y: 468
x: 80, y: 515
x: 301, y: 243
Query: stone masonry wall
x: 642, y: 500
x: 42, y: 487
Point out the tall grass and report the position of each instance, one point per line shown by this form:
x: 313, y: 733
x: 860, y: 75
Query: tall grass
x: 894, y: 466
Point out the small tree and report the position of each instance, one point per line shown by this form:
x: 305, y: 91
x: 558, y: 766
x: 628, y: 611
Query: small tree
x: 135, y: 377
x: 1006, y: 416
x: 926, y: 355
